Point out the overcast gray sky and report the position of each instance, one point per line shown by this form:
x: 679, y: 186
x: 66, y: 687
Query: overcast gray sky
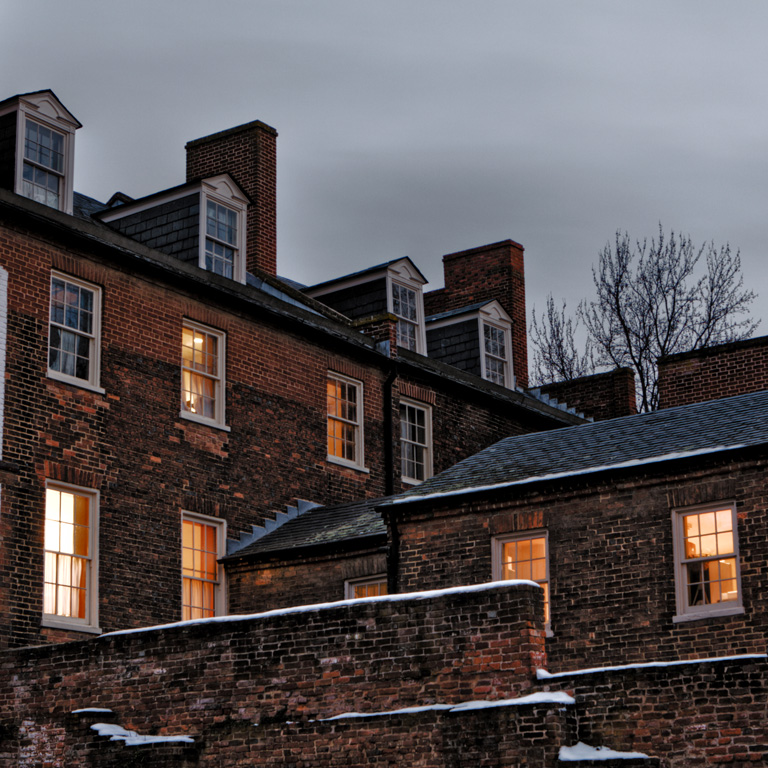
x: 422, y: 127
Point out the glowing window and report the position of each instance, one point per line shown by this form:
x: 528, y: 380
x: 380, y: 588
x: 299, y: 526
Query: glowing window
x: 371, y: 586
x: 201, y: 543
x: 345, y: 412
x: 202, y: 373
x: 69, y: 590
x: 708, y: 579
x: 524, y: 557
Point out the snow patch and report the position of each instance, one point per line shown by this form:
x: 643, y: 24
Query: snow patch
x: 557, y: 697
x: 584, y: 752
x: 133, y: 739
x: 426, y: 595
x: 405, y: 498
x: 542, y: 674
x: 92, y: 711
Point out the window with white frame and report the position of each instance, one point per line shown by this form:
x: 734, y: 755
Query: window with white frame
x: 405, y: 307
x: 43, y: 171
x: 415, y: 441
x: 708, y: 579
x: 202, y: 587
x: 495, y: 365
x: 344, y: 397
x: 222, y: 225
x: 370, y: 586
x: 73, y: 332
x: 202, y: 374
x: 523, y: 556
x: 70, y: 570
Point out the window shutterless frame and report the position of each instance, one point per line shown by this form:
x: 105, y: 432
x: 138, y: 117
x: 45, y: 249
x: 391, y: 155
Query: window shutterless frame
x: 345, y: 413
x: 202, y: 577
x: 524, y: 555
x: 74, y: 331
x: 203, y: 354
x: 369, y: 586
x: 707, y: 569
x: 415, y: 441
x: 71, y: 562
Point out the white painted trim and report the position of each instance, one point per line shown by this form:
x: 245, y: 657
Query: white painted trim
x: 220, y: 592
x: 91, y: 622
x: 92, y: 383
x: 401, y: 279
x: 219, y: 421
x: 359, y: 462
x: 223, y: 190
x: 49, y: 112
x: 684, y: 612
x: 428, y: 464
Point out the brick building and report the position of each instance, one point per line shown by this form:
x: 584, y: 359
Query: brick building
x: 165, y: 392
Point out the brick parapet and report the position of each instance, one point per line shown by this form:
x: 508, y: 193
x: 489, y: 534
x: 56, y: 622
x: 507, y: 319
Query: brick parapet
x: 713, y: 372
x: 296, y: 665
x: 600, y: 396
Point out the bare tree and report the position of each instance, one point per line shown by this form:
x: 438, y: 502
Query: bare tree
x: 650, y: 303
x: 556, y: 356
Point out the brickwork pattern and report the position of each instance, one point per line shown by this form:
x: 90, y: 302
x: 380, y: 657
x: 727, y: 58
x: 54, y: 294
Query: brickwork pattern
x: 248, y: 154
x: 715, y: 372
x: 602, y: 396
x: 611, y: 560
x: 204, y: 679
x: 489, y: 272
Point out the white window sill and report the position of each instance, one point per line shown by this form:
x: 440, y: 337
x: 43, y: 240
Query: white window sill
x: 713, y: 614
x: 60, y: 622
x: 75, y: 382
x: 348, y: 464
x: 411, y: 481
x: 202, y: 420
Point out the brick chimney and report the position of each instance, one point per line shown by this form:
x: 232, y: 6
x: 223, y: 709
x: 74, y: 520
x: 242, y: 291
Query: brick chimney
x: 248, y: 153
x: 494, y: 271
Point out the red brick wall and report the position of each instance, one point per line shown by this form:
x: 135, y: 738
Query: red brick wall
x: 715, y: 372
x: 206, y: 679
x: 602, y: 396
x: 712, y: 713
x: 248, y: 153
x: 612, y: 572
x: 270, y: 584
x: 131, y: 445
x: 489, y: 272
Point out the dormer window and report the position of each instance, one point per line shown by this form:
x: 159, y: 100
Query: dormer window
x: 405, y: 300
x: 38, y: 133
x: 201, y: 223
x: 220, y: 239
x: 495, y: 357
x: 405, y: 307
x: 43, y: 164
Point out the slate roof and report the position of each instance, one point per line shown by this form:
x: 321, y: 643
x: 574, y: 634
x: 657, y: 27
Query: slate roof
x: 84, y: 207
x: 459, y: 311
x: 361, y: 272
x: 321, y: 526
x: 664, y: 435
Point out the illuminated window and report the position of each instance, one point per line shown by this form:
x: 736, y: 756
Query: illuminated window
x: 69, y: 592
x: 371, y: 586
x: 202, y: 374
x: 221, y: 240
x: 495, y: 355
x: 73, y: 332
x: 708, y: 578
x: 345, y: 414
x: 43, y: 169
x: 415, y: 441
x: 523, y: 557
x: 201, y: 547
